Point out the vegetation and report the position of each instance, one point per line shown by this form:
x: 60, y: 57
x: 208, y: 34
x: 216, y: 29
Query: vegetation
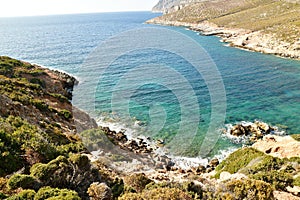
x: 275, y: 171
x: 157, y: 194
x: 296, y: 137
x: 238, y: 160
x: 21, y: 181
x: 281, y: 18
x: 137, y: 181
x: 23, y: 195
x: 248, y: 189
x: 48, y: 193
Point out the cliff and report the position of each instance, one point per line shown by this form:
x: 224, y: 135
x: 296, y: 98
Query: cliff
x: 268, y: 26
x: 42, y: 156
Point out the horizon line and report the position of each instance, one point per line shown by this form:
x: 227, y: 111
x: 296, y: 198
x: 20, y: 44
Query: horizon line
x: 79, y: 13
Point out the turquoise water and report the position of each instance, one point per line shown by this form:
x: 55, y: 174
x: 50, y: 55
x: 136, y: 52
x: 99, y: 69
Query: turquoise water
x: 257, y: 86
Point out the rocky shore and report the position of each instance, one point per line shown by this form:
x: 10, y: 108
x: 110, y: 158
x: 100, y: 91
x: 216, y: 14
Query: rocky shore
x: 241, y: 38
x: 162, y: 168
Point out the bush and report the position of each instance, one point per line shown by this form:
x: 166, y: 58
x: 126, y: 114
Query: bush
x: 296, y: 136
x: 137, y: 181
x: 237, y: 160
x: 65, y: 113
x: 248, y: 189
x: 38, y: 81
x: 48, y: 193
x: 74, y: 173
x: 191, y: 188
x: 2, y: 196
x: 296, y: 181
x: 24, y: 195
x: 117, y: 187
x: 267, y: 164
x: 158, y: 194
x: 52, y: 172
x: 21, y: 180
x: 278, y: 179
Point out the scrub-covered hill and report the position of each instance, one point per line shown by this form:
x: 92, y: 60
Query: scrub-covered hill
x: 269, y: 26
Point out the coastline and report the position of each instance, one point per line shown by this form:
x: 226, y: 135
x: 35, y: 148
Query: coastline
x: 256, y: 41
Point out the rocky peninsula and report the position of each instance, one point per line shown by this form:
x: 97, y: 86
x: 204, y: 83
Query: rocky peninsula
x: 270, y: 27
x: 47, y: 152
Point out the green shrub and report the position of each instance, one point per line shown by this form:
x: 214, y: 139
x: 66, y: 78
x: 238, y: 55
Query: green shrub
x: 46, y: 172
x: 38, y: 81
x: 248, y: 189
x: 267, y: 164
x: 23, y: 195
x: 74, y: 173
x: 117, y: 187
x: 60, y: 97
x: 21, y: 180
x: 191, y: 188
x: 296, y: 136
x: 278, y: 179
x: 158, y: 194
x: 95, y: 139
x: 39, y: 104
x: 65, y: 113
x: 48, y: 193
x: 296, y: 181
x: 238, y: 160
x: 137, y: 181
x: 79, y: 160
x: 2, y: 196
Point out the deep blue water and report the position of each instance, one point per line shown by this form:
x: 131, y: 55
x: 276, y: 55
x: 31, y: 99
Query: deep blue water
x: 257, y: 86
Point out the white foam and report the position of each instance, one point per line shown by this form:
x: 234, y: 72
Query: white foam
x: 246, y: 139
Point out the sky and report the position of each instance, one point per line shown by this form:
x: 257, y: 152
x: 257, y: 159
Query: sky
x: 12, y: 8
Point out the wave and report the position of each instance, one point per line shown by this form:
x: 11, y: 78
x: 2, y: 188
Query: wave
x: 133, y: 129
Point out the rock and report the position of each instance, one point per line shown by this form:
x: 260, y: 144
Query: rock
x: 256, y: 130
x: 200, y: 169
x: 294, y: 190
x: 99, y: 191
x: 278, y: 146
x: 209, y: 169
x: 214, y: 162
x: 284, y: 196
x: 238, y: 130
x: 224, y: 176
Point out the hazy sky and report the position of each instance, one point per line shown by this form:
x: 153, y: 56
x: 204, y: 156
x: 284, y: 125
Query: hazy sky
x: 10, y: 8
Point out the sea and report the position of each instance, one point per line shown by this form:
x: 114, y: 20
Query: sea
x: 170, y: 84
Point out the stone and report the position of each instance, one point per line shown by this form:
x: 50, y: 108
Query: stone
x: 99, y: 191
x: 214, y: 162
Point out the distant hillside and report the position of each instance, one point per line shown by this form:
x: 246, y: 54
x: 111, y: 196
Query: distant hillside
x: 167, y: 6
x: 279, y: 19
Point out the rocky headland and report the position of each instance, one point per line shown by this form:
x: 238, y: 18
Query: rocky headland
x: 270, y: 27
x: 47, y: 152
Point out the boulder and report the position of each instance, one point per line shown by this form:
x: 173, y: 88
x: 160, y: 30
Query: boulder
x: 99, y: 191
x: 214, y: 162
